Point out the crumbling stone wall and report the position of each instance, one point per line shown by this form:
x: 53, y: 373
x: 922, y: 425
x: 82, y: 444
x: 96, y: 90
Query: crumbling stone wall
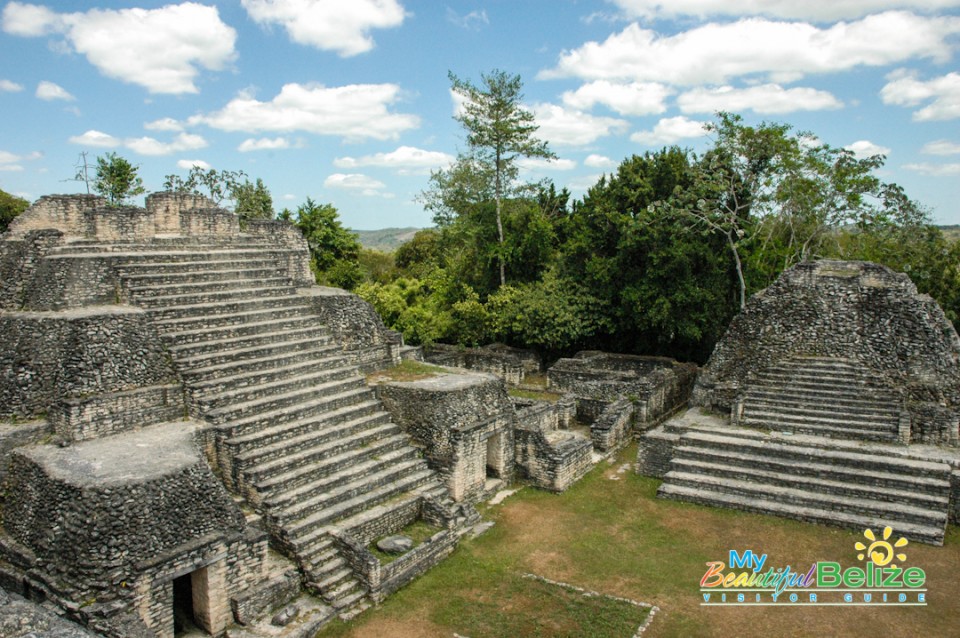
x: 547, y: 453
x: 853, y: 310
x: 357, y: 326
x: 19, y: 259
x: 510, y: 364
x: 66, y: 213
x: 464, y: 422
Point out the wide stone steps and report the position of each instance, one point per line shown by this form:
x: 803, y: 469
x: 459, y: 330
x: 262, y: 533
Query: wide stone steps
x: 288, y: 379
x: 815, y: 479
x: 206, y: 338
x: 367, y: 493
x: 279, y: 401
x: 237, y: 319
x: 272, y: 374
x: 232, y: 361
x: 327, y: 484
x: 225, y: 272
x: 868, y: 410
x: 762, y: 504
x: 255, y: 430
x: 837, y: 485
x: 844, y: 428
x: 212, y: 311
x: 218, y: 342
x: 368, y: 436
x: 208, y: 291
x: 185, y: 270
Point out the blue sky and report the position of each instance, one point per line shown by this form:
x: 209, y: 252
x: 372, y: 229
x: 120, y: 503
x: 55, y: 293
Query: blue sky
x: 348, y: 101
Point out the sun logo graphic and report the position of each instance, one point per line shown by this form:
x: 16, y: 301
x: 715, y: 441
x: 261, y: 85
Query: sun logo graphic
x: 881, y: 551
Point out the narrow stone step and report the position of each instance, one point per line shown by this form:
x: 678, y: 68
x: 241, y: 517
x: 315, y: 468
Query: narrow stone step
x: 211, y: 293
x: 249, y: 379
x: 204, y: 337
x: 875, y: 410
x: 864, y: 433
x: 228, y: 272
x: 362, y: 501
x: 278, y: 401
x: 160, y: 269
x: 228, y: 362
x: 219, y: 341
x: 335, y: 579
x: 285, y: 380
x: 762, y: 505
x: 819, y: 396
x: 237, y: 317
x: 213, y: 309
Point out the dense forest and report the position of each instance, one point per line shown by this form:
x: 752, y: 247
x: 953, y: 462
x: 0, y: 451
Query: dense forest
x: 656, y: 258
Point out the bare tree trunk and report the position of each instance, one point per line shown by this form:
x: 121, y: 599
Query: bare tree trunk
x: 736, y: 259
x: 503, y: 275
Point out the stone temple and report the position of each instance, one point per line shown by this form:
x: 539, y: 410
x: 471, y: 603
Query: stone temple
x: 834, y: 397
x: 194, y: 437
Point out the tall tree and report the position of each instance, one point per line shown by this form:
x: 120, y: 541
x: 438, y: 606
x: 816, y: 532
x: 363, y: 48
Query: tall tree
x: 117, y: 179
x: 499, y: 132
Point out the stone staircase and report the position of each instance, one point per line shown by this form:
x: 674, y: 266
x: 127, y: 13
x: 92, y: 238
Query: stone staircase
x: 813, y: 479
x: 824, y: 397
x: 298, y: 432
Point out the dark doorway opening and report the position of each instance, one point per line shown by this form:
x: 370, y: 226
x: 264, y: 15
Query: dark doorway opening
x: 183, y: 612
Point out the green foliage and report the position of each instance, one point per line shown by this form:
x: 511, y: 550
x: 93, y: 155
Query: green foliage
x: 211, y: 183
x: 10, y: 207
x: 334, y: 251
x: 253, y: 201
x: 116, y: 179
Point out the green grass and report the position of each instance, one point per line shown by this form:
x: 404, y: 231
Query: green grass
x: 418, y: 531
x: 408, y: 371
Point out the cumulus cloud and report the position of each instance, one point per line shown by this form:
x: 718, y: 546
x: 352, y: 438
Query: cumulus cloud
x: 941, y: 147
x: 765, y: 99
x: 634, y: 98
x: 159, y: 49
x: 141, y: 145
x: 598, y: 161
x: 862, y: 149
x: 264, y: 144
x: 355, y: 111
x: 11, y: 162
x: 8, y: 86
x: 406, y: 160
x: 942, y: 93
x: 790, y: 9
x: 472, y: 21
x: 783, y: 51
x: 363, y: 184
x: 934, y: 170
x: 670, y: 131
x: 164, y: 124
x: 186, y: 164
x: 50, y: 91
x: 570, y: 127
x: 342, y: 26
x: 543, y: 164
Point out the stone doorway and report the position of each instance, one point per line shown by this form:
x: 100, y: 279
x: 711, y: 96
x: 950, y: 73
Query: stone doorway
x: 191, y: 604
x: 494, y: 457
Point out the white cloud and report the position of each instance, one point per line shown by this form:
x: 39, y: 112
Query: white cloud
x: 542, y: 164
x: 935, y: 170
x: 943, y: 93
x: 406, y: 160
x: 783, y: 51
x: 264, y: 144
x: 141, y: 145
x: 364, y: 184
x: 50, y: 91
x: 11, y: 162
x: 790, y: 9
x: 186, y: 165
x: 941, y: 147
x: 765, y: 99
x: 355, y: 111
x: 635, y: 98
x: 342, y: 26
x: 8, y: 86
x: 566, y: 127
x: 862, y: 149
x: 598, y: 161
x: 670, y: 131
x: 472, y: 21
x: 97, y: 139
x: 159, y: 49
x: 164, y: 124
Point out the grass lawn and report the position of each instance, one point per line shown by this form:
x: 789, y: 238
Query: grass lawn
x: 609, y: 534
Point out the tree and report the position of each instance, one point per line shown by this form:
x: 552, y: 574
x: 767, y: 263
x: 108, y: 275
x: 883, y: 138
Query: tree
x: 10, y: 207
x: 253, y: 201
x: 117, y: 179
x: 209, y: 182
x: 499, y: 132
x: 334, y: 250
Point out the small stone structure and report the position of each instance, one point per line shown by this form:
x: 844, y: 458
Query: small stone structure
x: 820, y: 403
x: 548, y: 452
x: 510, y: 364
x: 185, y: 432
x: 618, y: 392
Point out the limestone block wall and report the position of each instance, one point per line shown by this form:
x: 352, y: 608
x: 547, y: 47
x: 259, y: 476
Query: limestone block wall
x: 66, y: 213
x: 852, y: 310
x: 286, y: 235
x: 59, y: 282
x: 510, y: 364
x: 18, y: 262
x: 51, y: 355
x: 465, y: 424
x: 357, y: 326
x: 100, y: 415
x: 550, y: 457
x: 612, y: 428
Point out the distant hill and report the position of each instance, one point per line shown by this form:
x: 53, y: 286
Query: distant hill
x: 385, y: 240
x: 952, y: 232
